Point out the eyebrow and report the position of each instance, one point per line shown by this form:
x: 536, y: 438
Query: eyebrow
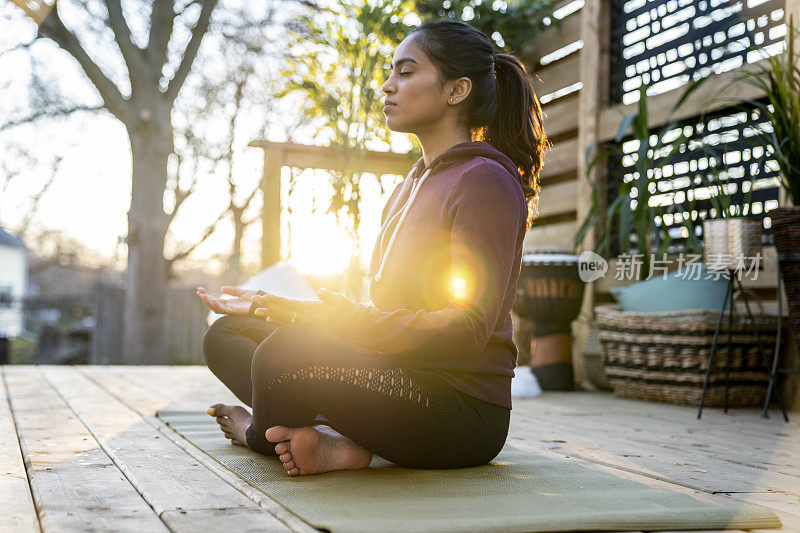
x: 401, y: 61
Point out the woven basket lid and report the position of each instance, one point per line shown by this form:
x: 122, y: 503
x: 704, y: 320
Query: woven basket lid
x: 550, y: 255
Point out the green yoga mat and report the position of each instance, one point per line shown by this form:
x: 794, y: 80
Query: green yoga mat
x: 517, y: 491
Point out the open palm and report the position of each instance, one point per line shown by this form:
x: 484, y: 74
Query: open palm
x: 232, y: 306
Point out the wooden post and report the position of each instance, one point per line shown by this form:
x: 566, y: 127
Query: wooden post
x: 271, y: 219
x: 594, y: 74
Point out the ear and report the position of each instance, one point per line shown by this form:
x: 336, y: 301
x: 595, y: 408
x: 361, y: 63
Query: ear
x: 458, y: 90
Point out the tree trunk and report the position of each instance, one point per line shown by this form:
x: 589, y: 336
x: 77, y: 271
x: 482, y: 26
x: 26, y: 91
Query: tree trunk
x: 146, y: 284
x: 235, y: 261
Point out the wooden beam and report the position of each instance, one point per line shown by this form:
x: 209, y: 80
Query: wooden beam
x: 333, y: 158
x: 271, y: 212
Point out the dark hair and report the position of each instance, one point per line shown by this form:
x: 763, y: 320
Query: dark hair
x: 502, y: 108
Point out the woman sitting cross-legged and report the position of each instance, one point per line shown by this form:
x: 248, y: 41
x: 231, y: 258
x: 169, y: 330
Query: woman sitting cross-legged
x: 421, y: 376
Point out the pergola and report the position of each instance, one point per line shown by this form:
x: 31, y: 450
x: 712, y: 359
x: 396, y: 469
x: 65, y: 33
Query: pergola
x: 343, y: 159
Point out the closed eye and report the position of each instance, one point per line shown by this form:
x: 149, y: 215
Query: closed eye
x: 405, y: 73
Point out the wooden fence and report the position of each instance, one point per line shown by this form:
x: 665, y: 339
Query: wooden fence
x: 186, y: 323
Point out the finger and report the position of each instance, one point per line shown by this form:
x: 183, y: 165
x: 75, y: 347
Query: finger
x: 234, y: 291
x: 329, y: 297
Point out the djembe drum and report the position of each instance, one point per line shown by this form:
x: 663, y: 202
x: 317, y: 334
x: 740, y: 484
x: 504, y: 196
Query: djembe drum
x: 550, y: 295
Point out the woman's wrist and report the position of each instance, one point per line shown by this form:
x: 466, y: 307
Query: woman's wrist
x: 253, y: 306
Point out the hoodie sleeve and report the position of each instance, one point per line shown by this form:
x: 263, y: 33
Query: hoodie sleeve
x: 488, y: 211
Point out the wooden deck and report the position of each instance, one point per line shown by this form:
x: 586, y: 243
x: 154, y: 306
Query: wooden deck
x: 81, y: 449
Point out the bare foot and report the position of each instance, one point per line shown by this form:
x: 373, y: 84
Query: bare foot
x: 233, y: 420
x: 313, y: 450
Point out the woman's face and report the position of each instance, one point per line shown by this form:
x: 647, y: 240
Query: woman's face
x: 414, y: 98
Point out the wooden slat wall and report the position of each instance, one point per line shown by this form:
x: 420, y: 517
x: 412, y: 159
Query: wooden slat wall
x: 556, y: 222
x: 577, y: 120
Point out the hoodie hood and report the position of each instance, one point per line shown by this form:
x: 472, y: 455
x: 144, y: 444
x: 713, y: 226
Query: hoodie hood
x: 460, y: 152
x: 411, y: 185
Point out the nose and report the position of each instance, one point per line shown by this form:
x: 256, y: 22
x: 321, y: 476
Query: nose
x: 387, y: 88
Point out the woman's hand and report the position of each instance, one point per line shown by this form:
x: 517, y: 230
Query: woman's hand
x: 281, y: 311
x: 234, y: 306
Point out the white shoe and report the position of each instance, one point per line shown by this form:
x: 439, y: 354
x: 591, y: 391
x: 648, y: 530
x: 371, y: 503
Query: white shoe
x: 524, y: 383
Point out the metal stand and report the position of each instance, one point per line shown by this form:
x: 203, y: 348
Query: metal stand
x: 774, y: 369
x: 729, y: 302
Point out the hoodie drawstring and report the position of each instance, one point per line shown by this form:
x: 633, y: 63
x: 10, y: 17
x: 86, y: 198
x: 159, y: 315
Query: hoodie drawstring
x: 406, y: 208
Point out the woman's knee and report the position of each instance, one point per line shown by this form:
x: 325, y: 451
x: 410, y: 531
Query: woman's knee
x: 216, y: 337
x: 289, y: 348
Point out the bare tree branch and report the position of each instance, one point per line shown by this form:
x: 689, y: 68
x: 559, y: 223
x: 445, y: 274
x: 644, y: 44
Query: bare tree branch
x: 162, y: 19
x: 26, y: 222
x: 192, y: 48
x: 131, y: 53
x: 53, y: 28
x: 48, y: 113
x: 206, y: 234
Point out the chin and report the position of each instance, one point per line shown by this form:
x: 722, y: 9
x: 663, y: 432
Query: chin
x: 397, y: 126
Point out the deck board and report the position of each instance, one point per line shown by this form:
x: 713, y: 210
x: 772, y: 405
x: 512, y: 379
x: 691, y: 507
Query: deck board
x: 16, y: 505
x: 166, y: 477
x: 116, y: 463
x: 75, y: 485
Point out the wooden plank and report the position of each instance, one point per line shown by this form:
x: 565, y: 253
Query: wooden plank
x: 558, y: 199
x: 16, y: 505
x: 556, y: 38
x: 594, y: 67
x: 148, y: 389
x: 238, y: 519
x: 556, y: 76
x: 646, y: 451
x: 559, y: 234
x: 767, y: 457
x: 75, y: 485
x: 563, y: 158
x: 166, y: 477
x: 757, y: 437
x: 561, y: 117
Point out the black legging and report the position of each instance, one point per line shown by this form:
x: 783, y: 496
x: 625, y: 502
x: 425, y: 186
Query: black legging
x: 290, y: 374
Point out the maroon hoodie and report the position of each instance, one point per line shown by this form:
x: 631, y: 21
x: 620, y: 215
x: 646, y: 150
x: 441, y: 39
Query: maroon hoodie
x: 442, y: 295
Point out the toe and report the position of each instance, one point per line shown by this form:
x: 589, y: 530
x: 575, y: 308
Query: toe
x: 279, y: 433
x: 285, y: 457
x: 294, y: 472
x: 281, y: 447
x: 218, y: 410
x: 288, y: 466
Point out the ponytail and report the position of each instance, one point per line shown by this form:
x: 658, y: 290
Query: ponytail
x: 517, y: 129
x: 502, y: 108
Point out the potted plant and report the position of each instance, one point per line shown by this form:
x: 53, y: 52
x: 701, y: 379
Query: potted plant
x: 630, y: 207
x: 778, y: 78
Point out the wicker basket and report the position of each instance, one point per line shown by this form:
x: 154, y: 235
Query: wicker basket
x: 663, y: 356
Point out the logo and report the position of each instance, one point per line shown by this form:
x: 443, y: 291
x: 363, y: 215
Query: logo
x: 591, y: 266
